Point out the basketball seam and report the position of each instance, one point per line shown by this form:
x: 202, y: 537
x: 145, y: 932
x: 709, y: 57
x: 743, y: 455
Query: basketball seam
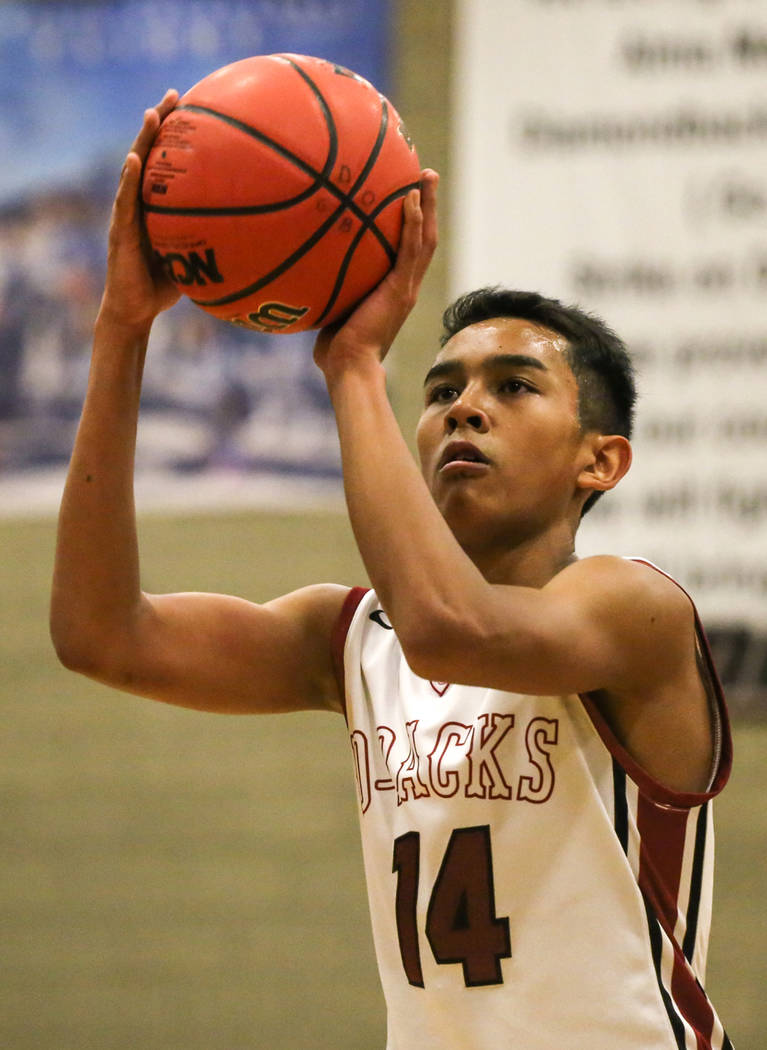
x: 318, y: 234
x: 286, y: 264
x: 260, y: 209
x: 251, y: 209
x: 343, y: 268
x: 347, y: 198
x: 321, y: 178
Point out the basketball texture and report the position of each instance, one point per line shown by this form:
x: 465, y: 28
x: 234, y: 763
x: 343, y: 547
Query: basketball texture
x: 273, y: 192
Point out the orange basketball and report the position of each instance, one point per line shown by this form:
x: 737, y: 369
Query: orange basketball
x: 273, y: 192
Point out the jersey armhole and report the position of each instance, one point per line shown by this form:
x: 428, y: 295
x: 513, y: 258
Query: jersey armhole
x: 719, y: 717
x: 338, y: 638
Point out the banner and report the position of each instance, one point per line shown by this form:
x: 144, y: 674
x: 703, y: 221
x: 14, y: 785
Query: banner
x: 227, y: 415
x: 613, y: 154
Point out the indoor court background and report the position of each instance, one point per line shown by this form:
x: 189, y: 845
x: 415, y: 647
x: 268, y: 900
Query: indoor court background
x: 174, y: 880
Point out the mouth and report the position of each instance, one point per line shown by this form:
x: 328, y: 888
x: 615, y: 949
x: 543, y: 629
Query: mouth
x: 462, y: 455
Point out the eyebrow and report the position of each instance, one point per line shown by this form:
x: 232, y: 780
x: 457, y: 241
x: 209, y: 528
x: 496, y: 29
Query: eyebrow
x: 449, y: 368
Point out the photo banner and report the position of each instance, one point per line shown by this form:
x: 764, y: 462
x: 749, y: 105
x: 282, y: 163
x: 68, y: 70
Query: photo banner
x: 614, y: 155
x: 228, y: 416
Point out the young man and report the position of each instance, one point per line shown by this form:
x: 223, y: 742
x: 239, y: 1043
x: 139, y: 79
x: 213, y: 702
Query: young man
x: 536, y: 738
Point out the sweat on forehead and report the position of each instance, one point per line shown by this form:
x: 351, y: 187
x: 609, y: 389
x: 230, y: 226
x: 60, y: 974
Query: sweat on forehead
x: 502, y: 342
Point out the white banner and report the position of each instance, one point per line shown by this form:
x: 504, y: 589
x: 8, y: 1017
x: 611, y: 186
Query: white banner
x: 613, y: 153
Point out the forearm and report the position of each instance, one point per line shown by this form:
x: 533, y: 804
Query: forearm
x: 415, y: 564
x: 413, y: 560
x: 96, y: 589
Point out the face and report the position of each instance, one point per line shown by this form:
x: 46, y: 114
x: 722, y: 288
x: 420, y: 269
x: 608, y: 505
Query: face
x: 499, y: 438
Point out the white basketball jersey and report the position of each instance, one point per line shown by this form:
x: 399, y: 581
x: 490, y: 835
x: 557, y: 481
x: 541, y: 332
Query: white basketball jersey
x: 530, y: 887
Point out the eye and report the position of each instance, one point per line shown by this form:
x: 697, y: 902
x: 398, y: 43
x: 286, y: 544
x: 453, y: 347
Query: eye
x: 515, y: 386
x: 442, y: 393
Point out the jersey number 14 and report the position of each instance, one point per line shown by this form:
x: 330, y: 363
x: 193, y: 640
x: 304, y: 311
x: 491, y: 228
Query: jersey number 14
x: 461, y: 924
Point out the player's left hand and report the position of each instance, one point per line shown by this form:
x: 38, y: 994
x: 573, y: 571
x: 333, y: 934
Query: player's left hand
x: 135, y: 292
x: 372, y: 326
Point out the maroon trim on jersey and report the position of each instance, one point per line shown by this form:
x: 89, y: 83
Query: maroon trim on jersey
x: 669, y: 835
x: 693, y: 1006
x: 662, y: 835
x: 685, y: 1001
x: 668, y: 824
x: 338, y: 637
x: 650, y: 787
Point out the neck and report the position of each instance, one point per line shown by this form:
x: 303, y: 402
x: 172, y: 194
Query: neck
x: 529, y: 562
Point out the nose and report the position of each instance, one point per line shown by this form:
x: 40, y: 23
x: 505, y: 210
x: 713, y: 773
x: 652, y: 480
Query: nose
x: 466, y: 413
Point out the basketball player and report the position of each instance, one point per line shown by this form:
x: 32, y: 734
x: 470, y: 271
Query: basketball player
x: 536, y: 738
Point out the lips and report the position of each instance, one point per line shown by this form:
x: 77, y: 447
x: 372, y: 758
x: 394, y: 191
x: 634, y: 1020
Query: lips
x: 461, y: 452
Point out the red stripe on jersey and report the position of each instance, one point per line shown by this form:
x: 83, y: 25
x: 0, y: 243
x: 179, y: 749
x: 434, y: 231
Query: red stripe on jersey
x: 662, y: 835
x: 691, y: 1001
x: 338, y: 637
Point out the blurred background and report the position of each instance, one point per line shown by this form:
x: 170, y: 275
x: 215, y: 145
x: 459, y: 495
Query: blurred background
x: 170, y: 879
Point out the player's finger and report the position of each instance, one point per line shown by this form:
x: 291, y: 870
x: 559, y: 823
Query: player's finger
x: 419, y: 234
x: 167, y: 102
x: 146, y: 134
x: 124, y: 209
x: 410, y: 237
x: 153, y: 117
x: 429, y: 185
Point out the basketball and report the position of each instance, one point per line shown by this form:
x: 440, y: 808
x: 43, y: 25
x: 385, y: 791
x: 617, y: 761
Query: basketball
x: 273, y: 192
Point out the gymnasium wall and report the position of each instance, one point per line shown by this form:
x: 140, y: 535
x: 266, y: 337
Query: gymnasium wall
x: 173, y: 880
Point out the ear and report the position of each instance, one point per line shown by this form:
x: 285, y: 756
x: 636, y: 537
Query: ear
x: 607, y: 460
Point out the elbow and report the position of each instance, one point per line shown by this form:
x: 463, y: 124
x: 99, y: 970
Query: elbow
x: 93, y: 658
x: 435, y: 648
x: 66, y: 637
x: 425, y: 664
x: 90, y: 649
x: 73, y: 653
x: 79, y: 646
x: 451, y: 644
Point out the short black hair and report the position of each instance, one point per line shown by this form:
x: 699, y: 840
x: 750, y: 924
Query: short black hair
x: 598, y: 358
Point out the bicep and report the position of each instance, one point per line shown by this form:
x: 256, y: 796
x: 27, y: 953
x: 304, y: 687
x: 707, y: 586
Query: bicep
x: 225, y: 654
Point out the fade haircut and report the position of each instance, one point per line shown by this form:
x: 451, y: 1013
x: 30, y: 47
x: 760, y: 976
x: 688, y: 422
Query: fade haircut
x: 597, y: 357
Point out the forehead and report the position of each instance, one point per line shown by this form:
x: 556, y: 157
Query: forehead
x: 502, y: 336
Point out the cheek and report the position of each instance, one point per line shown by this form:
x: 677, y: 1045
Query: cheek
x: 421, y: 444
x: 551, y: 446
x: 426, y: 437
x: 560, y: 424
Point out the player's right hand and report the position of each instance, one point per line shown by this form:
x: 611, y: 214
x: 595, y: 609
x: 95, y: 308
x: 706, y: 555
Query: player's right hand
x: 371, y: 328
x: 135, y: 291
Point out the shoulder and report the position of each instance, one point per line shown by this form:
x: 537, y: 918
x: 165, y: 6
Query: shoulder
x: 305, y: 622
x: 314, y: 609
x: 645, y: 618
x: 613, y: 583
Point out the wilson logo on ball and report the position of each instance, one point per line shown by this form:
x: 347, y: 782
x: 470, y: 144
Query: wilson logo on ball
x: 190, y: 267
x: 273, y: 317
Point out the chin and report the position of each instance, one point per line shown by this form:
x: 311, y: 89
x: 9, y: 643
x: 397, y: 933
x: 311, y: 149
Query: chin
x: 468, y: 519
